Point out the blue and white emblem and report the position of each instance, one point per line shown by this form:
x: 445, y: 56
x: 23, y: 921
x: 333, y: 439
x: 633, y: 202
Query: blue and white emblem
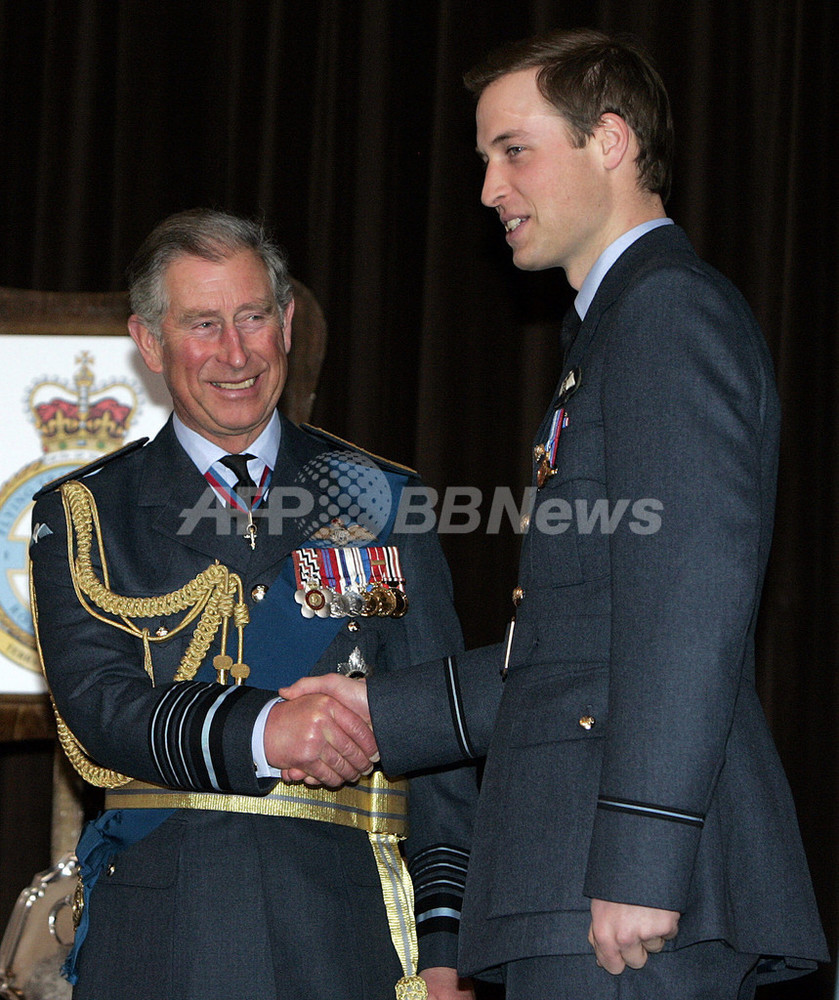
x: 347, y: 487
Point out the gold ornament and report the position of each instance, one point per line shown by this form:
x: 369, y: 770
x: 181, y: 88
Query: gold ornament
x: 214, y: 597
x: 411, y: 988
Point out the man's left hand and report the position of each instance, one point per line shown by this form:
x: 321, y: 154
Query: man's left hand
x: 445, y: 984
x: 624, y: 934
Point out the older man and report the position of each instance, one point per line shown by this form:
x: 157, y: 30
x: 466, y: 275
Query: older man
x: 634, y: 817
x: 205, y: 569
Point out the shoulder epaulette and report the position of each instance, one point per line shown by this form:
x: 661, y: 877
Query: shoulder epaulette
x: 85, y: 470
x: 385, y: 463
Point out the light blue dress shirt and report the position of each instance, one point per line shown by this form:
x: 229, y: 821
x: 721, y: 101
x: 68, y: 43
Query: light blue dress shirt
x: 204, y: 453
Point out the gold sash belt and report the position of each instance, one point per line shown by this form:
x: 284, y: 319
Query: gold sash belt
x: 380, y: 807
x: 377, y: 806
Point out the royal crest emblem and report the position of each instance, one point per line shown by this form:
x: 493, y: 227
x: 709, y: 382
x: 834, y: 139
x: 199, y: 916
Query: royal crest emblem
x: 77, y: 420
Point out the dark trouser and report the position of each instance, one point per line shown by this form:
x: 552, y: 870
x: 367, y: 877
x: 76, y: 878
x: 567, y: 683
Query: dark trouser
x: 708, y: 971
x: 226, y: 906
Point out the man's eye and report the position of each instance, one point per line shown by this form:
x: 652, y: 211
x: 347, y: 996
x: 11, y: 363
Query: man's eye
x: 251, y: 322
x: 514, y: 150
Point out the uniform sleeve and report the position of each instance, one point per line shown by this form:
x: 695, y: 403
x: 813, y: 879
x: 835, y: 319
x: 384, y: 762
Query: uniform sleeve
x: 189, y: 735
x: 453, y: 705
x: 689, y: 420
x: 442, y: 800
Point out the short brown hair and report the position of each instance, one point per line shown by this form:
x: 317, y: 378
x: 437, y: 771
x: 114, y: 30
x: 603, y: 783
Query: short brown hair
x: 585, y: 74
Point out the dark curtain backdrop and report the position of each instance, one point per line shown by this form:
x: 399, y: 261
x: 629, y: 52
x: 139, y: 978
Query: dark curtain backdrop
x: 344, y: 123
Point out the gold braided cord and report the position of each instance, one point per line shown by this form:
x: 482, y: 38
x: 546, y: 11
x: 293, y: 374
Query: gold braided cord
x: 93, y: 773
x: 102, y: 777
x: 211, y: 593
x: 214, y: 596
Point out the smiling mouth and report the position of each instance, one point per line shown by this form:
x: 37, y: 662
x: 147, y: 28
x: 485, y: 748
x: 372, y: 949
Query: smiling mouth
x: 512, y: 224
x: 246, y: 384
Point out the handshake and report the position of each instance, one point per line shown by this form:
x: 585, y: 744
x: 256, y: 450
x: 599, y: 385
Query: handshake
x: 321, y: 733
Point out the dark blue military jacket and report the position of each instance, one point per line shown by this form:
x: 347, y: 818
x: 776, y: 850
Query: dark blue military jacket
x: 628, y: 755
x: 214, y: 904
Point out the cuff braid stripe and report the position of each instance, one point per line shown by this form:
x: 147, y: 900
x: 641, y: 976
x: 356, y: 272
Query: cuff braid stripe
x: 439, y: 877
x: 186, y: 734
x: 456, y: 707
x: 653, y: 812
x: 174, y: 705
x: 438, y: 924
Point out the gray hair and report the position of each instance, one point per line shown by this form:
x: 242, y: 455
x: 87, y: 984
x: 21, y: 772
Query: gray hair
x: 208, y: 234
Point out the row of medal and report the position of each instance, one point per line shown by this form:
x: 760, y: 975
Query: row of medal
x: 350, y: 582
x: 545, y: 454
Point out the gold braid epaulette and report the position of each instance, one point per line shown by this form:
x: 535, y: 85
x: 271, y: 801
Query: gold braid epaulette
x: 215, y: 594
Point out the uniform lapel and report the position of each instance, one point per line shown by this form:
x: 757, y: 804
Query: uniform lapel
x: 663, y: 241
x: 172, y: 485
x: 291, y: 474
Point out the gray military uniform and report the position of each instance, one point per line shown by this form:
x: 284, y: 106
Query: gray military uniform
x: 213, y: 904
x: 628, y: 755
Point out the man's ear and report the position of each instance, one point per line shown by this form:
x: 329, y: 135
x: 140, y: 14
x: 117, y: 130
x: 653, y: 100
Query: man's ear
x: 615, y: 138
x: 289, y: 312
x: 148, y: 345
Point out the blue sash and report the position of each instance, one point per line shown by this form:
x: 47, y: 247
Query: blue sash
x: 280, y: 644
x: 112, y: 832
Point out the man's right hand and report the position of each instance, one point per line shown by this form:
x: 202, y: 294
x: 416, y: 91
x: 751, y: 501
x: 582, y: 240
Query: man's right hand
x: 314, y: 738
x: 350, y: 691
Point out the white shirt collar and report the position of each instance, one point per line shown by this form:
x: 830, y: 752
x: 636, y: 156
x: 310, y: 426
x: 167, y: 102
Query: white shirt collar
x: 601, y: 266
x: 204, y: 453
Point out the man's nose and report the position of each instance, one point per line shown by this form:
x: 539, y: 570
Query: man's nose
x: 232, y: 346
x: 495, y: 185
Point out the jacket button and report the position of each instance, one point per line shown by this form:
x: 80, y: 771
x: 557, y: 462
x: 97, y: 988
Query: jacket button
x: 587, y: 721
x: 259, y: 592
x: 161, y: 632
x: 352, y: 626
x: 518, y: 595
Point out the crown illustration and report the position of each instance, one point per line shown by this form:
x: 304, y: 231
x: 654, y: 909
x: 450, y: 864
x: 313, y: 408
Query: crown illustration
x: 82, y: 415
